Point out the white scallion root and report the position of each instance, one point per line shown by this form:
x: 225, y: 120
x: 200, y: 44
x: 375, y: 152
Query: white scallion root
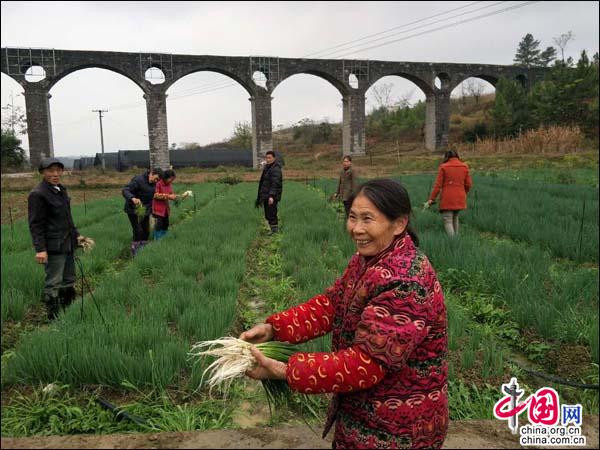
x: 233, y: 360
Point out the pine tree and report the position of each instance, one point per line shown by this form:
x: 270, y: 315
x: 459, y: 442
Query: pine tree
x: 568, y: 96
x: 547, y: 56
x: 528, y: 52
x: 510, y: 113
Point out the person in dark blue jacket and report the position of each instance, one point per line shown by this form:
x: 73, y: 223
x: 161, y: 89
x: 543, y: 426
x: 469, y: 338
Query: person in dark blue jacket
x: 269, y: 189
x: 140, y: 191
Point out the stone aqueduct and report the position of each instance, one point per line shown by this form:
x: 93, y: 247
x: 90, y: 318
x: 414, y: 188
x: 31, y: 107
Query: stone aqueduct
x: 59, y: 63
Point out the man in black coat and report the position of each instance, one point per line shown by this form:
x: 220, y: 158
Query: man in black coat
x: 269, y: 190
x: 54, y: 236
x: 140, y: 191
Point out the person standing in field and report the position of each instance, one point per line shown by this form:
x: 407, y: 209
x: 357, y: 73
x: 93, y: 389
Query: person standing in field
x: 388, y: 366
x: 348, y: 181
x: 454, y: 182
x: 160, y: 203
x: 54, y: 236
x: 270, y: 189
x: 139, y: 192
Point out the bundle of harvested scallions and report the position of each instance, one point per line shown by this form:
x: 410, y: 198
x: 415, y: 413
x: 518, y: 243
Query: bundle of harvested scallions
x: 234, y: 359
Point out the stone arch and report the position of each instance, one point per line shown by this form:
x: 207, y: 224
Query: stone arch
x: 326, y: 92
x: 522, y: 78
x: 338, y: 84
x: 444, y: 80
x: 197, y: 83
x: 247, y: 84
x: 70, y: 70
x: 490, y: 79
x: 413, y: 133
x: 421, y: 83
x: 72, y: 102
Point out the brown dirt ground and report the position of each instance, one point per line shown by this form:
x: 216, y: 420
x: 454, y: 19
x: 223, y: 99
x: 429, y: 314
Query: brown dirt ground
x: 480, y: 434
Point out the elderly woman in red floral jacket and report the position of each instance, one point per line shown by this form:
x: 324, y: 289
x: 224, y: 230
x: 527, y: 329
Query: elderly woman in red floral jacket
x: 388, y: 368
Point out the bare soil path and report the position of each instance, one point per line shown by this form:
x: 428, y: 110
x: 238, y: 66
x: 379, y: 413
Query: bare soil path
x: 480, y: 434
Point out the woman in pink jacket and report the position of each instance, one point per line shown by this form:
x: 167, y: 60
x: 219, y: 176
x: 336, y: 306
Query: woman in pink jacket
x: 454, y: 182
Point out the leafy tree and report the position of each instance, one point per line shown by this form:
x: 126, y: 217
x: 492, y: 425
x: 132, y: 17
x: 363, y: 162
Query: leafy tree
x: 190, y: 145
x: 242, y: 135
x: 13, y: 123
x: 12, y: 155
x: 325, y: 131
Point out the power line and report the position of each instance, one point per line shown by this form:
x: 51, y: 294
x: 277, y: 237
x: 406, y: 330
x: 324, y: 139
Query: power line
x: 413, y: 35
x: 510, y: 8
x: 385, y: 31
x: 408, y: 37
x: 204, y: 89
x: 192, y: 92
x: 220, y: 85
x: 416, y: 28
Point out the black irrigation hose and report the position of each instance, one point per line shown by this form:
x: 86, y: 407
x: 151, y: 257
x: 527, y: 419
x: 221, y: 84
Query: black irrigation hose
x: 121, y: 414
x: 553, y: 378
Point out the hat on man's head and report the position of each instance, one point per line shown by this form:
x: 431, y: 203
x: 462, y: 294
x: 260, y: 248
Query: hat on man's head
x: 47, y: 162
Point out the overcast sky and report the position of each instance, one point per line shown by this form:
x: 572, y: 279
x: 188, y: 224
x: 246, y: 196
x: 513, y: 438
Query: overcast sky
x: 209, y: 103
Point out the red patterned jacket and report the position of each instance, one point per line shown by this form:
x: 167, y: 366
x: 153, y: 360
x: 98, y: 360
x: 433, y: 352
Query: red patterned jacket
x: 388, y: 367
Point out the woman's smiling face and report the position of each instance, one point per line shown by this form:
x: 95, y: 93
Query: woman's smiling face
x: 370, y: 229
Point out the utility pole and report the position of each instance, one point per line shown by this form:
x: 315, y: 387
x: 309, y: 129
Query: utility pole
x: 100, y: 111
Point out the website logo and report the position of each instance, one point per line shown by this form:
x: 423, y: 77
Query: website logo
x: 548, y: 423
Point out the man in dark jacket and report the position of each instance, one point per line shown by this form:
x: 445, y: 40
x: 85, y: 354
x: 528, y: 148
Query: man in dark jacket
x: 54, y: 236
x: 347, y: 183
x: 269, y: 189
x: 140, y: 191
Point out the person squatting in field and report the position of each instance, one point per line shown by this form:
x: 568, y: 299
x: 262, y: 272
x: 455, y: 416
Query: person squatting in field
x: 454, y: 182
x: 347, y: 183
x: 388, y: 366
x: 269, y: 190
x: 160, y: 203
x: 139, y: 193
x: 54, y: 236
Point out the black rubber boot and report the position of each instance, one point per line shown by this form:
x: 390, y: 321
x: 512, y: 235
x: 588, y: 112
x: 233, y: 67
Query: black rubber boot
x: 52, y: 303
x: 274, y: 230
x: 66, y: 296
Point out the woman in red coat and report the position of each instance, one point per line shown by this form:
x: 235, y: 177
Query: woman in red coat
x: 454, y: 182
x: 160, y: 203
x: 387, y: 368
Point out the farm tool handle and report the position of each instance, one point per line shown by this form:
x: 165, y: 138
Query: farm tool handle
x: 120, y: 414
x: 87, y: 285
